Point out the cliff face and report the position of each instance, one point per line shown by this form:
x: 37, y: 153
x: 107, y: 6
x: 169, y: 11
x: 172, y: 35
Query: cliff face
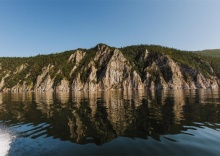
x: 107, y: 68
x: 113, y: 72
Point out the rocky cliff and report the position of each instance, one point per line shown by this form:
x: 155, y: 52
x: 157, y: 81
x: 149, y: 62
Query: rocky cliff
x: 107, y: 68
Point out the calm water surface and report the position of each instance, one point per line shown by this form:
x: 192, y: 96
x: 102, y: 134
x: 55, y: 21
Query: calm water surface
x: 180, y: 122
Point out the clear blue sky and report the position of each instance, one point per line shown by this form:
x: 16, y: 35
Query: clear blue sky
x: 32, y: 27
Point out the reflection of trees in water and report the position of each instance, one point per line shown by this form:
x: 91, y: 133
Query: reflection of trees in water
x: 203, y: 106
x: 84, y: 117
x: 155, y: 117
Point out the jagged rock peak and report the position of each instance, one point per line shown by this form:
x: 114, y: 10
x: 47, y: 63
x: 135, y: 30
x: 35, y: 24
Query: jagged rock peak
x: 102, y: 46
x: 77, y: 56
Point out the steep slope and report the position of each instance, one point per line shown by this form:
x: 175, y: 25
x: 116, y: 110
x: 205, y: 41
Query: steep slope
x: 107, y: 68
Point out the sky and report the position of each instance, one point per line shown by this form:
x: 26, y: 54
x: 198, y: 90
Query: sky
x: 32, y: 27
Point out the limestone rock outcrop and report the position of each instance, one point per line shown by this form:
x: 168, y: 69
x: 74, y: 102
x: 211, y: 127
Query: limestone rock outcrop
x: 107, y: 68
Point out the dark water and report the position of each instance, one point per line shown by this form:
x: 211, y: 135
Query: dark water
x: 180, y: 122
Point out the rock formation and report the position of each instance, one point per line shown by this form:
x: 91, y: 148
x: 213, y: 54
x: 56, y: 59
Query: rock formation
x: 106, y: 68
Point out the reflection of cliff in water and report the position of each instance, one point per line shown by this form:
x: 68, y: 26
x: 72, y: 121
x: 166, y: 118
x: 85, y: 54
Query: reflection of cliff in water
x: 84, y: 117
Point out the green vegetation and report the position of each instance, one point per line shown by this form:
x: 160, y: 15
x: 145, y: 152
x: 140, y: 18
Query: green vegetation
x: 213, y: 57
x: 138, y: 58
x: 212, y: 53
x: 33, y: 67
x: 188, y: 60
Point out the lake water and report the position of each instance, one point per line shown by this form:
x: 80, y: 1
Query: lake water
x: 174, y: 122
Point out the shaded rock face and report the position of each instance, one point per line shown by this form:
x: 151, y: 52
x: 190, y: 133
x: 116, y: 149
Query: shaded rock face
x: 76, y: 58
x: 64, y: 86
x: 44, y: 81
x: 108, y: 69
x: 173, y: 76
